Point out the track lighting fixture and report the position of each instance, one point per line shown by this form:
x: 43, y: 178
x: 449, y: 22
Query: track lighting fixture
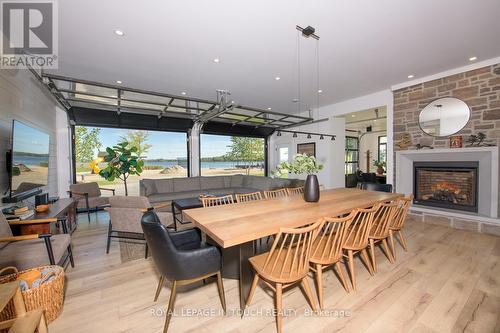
x: 333, y: 138
x: 279, y: 133
x: 294, y: 135
x: 321, y: 137
x: 308, y: 136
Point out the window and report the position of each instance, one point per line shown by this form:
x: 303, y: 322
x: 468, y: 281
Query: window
x: 231, y: 155
x: 283, y: 154
x: 351, y: 154
x: 382, y: 149
x: 164, y: 155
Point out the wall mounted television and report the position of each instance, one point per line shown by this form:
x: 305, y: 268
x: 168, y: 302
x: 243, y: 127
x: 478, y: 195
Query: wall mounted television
x: 28, y: 161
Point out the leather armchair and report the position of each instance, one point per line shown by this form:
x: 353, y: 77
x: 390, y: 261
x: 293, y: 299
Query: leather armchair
x: 377, y: 187
x: 180, y: 257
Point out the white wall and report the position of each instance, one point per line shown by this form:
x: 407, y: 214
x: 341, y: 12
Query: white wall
x: 327, y: 151
x: 23, y: 97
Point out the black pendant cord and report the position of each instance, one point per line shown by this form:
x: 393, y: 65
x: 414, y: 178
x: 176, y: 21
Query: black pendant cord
x: 299, y: 99
x: 317, y: 75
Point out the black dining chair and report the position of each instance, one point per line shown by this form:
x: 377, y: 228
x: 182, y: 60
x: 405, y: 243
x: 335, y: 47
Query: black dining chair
x: 369, y: 177
x: 180, y: 257
x: 377, y: 187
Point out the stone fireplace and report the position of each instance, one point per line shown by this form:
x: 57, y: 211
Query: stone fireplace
x: 452, y: 185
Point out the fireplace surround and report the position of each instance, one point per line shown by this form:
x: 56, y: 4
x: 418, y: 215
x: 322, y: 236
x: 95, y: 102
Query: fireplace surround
x: 488, y: 179
x: 446, y: 184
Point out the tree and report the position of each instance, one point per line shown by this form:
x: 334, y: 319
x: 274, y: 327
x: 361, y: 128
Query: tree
x: 139, y: 140
x: 122, y: 162
x: 245, y: 149
x: 86, y: 143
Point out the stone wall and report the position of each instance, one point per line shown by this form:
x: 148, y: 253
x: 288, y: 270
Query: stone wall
x: 479, y: 88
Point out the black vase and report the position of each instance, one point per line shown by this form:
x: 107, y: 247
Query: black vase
x: 311, y: 189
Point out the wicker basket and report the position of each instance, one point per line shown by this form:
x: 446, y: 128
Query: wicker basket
x: 48, y: 296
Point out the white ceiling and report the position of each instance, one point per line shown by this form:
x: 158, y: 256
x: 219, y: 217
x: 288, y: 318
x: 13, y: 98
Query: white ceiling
x: 365, y: 46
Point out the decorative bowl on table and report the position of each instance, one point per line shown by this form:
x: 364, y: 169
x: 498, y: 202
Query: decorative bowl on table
x: 42, y: 208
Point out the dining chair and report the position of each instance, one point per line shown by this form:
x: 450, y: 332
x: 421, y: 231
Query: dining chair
x: 377, y: 187
x: 398, y: 223
x: 217, y: 201
x: 295, y: 190
x: 379, y: 232
x: 246, y: 197
x: 327, y: 250
x: 281, y: 193
x: 357, y: 239
x: 286, y: 264
x: 182, y: 258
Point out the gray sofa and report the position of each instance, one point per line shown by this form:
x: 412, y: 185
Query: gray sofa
x: 168, y: 189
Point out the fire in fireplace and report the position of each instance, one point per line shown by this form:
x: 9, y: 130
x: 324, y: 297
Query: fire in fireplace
x: 451, y: 185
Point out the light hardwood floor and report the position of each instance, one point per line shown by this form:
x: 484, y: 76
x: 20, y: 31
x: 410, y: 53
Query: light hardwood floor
x: 448, y: 281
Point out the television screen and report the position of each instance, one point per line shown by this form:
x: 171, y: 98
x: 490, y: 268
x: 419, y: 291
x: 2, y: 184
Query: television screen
x: 30, y: 158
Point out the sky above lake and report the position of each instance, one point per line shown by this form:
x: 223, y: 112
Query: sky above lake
x: 30, y: 140
x: 169, y: 145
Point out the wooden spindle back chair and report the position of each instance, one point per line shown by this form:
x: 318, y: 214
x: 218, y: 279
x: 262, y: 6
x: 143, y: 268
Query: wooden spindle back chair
x: 382, y: 220
x: 357, y: 239
x: 398, y: 223
x: 402, y: 212
x: 295, y: 190
x: 285, y: 264
x: 281, y: 193
x: 288, y: 259
x: 328, y: 245
x: 359, y: 228
x: 327, y: 250
x: 379, y: 232
x: 217, y: 201
x: 246, y: 197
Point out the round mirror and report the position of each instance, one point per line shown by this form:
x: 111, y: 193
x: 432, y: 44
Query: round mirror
x: 444, y: 116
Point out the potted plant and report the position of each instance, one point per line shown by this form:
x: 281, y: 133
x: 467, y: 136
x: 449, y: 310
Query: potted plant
x: 380, y: 166
x: 122, y: 162
x: 303, y: 164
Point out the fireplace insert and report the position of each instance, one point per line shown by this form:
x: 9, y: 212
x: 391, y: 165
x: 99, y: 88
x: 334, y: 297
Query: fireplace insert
x: 452, y: 185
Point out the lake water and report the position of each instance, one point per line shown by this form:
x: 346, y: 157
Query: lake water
x: 30, y: 160
x: 204, y: 165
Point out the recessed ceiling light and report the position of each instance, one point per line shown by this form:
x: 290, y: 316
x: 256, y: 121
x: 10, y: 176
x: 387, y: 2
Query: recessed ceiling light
x: 320, y: 91
x: 119, y: 33
x: 119, y: 82
x: 269, y: 109
x: 183, y: 93
x: 354, y: 116
x: 216, y: 60
x: 411, y: 76
x: 277, y: 78
x: 295, y: 100
x: 472, y: 58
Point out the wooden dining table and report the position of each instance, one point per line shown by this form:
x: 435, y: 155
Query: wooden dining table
x: 236, y: 227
